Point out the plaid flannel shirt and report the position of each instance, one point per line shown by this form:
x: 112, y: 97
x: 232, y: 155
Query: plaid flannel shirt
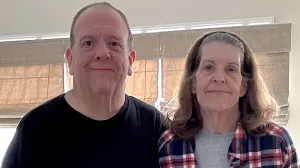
x: 275, y: 149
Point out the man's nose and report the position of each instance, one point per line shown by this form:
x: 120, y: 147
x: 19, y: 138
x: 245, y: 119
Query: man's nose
x: 102, y: 52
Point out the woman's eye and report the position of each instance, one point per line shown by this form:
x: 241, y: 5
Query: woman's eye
x: 231, y: 69
x: 208, y: 67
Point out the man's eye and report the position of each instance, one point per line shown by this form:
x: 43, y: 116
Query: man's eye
x: 113, y: 43
x: 87, y: 43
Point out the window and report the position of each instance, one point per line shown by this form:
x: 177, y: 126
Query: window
x: 6, y: 136
x: 161, y: 52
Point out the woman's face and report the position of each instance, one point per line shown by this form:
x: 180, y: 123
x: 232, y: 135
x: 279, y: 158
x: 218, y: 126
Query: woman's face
x: 219, y: 83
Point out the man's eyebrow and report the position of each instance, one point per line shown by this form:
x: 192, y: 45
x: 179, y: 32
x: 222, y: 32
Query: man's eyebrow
x: 116, y: 37
x: 85, y: 37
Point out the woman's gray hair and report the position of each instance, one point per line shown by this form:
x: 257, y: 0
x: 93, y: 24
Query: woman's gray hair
x: 224, y: 37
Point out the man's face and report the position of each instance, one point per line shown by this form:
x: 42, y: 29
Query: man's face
x: 100, y: 59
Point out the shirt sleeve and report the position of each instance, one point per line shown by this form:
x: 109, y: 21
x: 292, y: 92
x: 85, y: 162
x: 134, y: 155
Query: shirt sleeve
x: 290, y: 156
x: 23, y: 148
x: 160, y: 124
x: 171, y: 153
x: 11, y: 156
x: 163, y: 151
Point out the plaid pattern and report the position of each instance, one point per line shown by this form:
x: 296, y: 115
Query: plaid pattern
x: 275, y: 149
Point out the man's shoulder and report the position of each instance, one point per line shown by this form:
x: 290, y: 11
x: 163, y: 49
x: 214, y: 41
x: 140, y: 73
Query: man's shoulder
x: 147, y: 115
x: 43, y: 112
x: 141, y: 105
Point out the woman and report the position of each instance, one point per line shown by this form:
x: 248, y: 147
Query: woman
x: 225, y: 112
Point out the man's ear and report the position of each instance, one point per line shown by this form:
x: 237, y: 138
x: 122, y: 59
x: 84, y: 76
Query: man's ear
x: 69, y: 59
x: 131, y: 58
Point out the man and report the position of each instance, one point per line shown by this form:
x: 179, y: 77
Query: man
x: 96, y: 124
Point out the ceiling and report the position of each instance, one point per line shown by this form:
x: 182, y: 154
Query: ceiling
x: 41, y: 16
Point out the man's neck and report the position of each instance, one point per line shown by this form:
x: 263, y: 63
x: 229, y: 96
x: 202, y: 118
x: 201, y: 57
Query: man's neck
x: 221, y: 121
x: 101, y: 106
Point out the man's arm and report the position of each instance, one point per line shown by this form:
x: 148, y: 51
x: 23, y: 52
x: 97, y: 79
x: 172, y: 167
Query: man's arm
x: 23, y: 149
x: 11, y: 157
x: 160, y: 123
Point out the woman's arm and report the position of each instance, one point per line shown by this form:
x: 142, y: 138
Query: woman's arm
x: 290, y: 157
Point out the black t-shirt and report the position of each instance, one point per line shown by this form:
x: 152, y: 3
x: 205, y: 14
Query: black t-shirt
x: 54, y: 135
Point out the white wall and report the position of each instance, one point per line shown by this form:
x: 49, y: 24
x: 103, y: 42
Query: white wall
x: 38, y: 16
x: 41, y: 16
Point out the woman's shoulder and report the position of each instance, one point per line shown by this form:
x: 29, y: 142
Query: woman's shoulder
x: 285, y: 142
x: 279, y: 132
x: 165, y: 138
x: 168, y: 140
x: 168, y: 136
x: 175, y: 152
x: 277, y: 137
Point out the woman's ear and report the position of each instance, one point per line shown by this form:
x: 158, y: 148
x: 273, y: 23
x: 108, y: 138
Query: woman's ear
x: 194, y: 86
x: 244, y: 88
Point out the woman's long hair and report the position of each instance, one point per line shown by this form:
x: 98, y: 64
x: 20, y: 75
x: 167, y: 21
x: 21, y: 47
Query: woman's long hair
x: 257, y: 107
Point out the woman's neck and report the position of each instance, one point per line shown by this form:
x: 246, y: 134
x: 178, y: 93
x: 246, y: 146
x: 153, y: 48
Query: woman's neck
x: 220, y: 121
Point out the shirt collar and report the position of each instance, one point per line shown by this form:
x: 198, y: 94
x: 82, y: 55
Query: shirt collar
x: 240, y: 132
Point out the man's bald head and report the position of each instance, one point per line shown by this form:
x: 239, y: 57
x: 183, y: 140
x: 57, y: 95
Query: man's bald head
x: 101, y: 4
